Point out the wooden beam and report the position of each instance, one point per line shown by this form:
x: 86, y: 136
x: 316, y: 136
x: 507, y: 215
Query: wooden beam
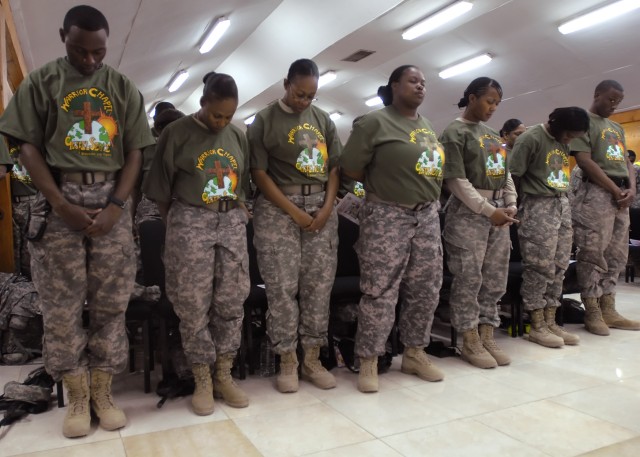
x: 15, y: 40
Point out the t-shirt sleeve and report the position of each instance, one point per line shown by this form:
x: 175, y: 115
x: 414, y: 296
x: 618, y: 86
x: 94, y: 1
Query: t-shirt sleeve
x: 24, y: 117
x: 137, y: 133
x: 259, y: 157
x: 359, y: 150
x: 333, y: 144
x: 580, y: 144
x: 245, y: 189
x: 520, y: 155
x: 453, y: 143
x: 158, y: 183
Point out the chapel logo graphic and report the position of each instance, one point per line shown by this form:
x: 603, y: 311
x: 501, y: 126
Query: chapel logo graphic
x: 312, y: 160
x: 615, y: 147
x: 18, y: 171
x: 558, y: 166
x: 220, y: 168
x: 431, y: 160
x: 94, y: 128
x: 495, y: 156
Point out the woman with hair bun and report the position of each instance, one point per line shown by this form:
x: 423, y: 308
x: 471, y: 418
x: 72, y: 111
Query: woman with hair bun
x: 396, y: 153
x: 199, y: 178
x: 476, y: 233
x: 540, y: 166
x: 510, y: 132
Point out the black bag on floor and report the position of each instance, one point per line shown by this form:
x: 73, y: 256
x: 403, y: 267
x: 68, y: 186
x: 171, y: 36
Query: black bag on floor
x: 31, y: 397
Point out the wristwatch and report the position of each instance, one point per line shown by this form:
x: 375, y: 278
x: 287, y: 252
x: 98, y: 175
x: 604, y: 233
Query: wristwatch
x: 116, y: 201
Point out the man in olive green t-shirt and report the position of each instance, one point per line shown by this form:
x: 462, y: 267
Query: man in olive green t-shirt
x: 81, y: 125
x: 601, y: 221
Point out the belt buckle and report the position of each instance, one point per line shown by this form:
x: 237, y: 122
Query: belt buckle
x: 223, y: 205
x: 88, y: 177
x: 496, y: 194
x: 306, y: 189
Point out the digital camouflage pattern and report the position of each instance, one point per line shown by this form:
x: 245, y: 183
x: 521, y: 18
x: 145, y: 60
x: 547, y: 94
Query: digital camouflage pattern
x: 294, y: 262
x: 207, y: 278
x: 22, y: 259
x: 478, y: 258
x: 400, y: 253
x: 545, y: 236
x: 69, y: 268
x: 601, y: 236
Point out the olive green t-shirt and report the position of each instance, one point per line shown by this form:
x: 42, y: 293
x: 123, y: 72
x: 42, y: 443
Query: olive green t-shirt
x: 21, y: 184
x: 5, y: 158
x: 198, y: 166
x: 541, y: 161
x: 606, y: 144
x: 294, y: 148
x: 401, y: 158
x: 475, y: 152
x: 79, y: 123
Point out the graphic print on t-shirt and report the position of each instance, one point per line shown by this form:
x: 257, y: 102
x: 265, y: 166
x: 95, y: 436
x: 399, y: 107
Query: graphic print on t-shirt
x: 615, y: 147
x: 358, y: 189
x: 431, y: 160
x: 313, y: 157
x: 18, y: 171
x: 495, y: 155
x: 558, y: 165
x: 220, y: 167
x: 93, y: 128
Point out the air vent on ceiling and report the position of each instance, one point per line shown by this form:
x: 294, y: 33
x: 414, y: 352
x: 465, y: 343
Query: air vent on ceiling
x: 358, y: 56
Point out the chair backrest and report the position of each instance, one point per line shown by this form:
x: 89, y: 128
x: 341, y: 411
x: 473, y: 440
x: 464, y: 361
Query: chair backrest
x: 515, y: 255
x: 348, y: 233
x: 152, y: 233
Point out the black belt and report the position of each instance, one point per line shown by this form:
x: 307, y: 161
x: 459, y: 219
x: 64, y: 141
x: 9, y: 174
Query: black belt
x: 222, y: 206
x: 302, y: 189
x: 617, y: 180
x: 86, y: 177
x: 23, y: 198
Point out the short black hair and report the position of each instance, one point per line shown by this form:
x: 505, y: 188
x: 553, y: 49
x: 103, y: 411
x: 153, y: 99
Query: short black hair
x: 384, y: 92
x: 162, y: 106
x: 631, y: 153
x: 86, y: 18
x: 218, y: 86
x: 479, y: 87
x: 569, y: 119
x: 166, y: 117
x: 607, y: 84
x: 303, y: 67
x: 509, y: 126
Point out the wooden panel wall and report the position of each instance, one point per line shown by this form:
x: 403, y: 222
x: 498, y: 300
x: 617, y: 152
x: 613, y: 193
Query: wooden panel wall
x: 12, y: 72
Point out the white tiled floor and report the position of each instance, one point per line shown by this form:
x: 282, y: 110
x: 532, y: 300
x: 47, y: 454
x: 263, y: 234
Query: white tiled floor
x: 582, y: 400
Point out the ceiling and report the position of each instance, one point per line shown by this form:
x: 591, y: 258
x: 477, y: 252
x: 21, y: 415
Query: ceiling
x: 538, y: 68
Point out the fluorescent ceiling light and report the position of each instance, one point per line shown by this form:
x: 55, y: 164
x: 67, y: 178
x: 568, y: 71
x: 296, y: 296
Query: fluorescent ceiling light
x: 465, y: 66
x: 436, y: 20
x: 177, y: 80
x: 335, y: 115
x: 250, y: 119
x: 600, y: 15
x: 152, y: 110
x: 221, y: 25
x: 374, y: 101
x: 326, y: 78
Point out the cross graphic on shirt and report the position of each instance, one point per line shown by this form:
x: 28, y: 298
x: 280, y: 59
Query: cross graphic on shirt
x: 220, y: 172
x: 306, y: 141
x: 87, y: 115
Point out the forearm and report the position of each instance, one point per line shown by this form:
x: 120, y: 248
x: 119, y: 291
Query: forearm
x: 273, y: 192
x: 40, y: 174
x: 128, y: 175
x: 632, y: 177
x: 357, y: 175
x: 467, y: 194
x: 595, y: 174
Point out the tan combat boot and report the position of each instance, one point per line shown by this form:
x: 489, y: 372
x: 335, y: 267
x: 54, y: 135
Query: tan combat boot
x: 612, y: 318
x: 550, y: 318
x: 593, y: 320
x: 415, y: 361
x: 223, y: 384
x: 540, y: 333
x: 474, y: 352
x: 489, y: 343
x: 314, y: 372
x: 111, y: 417
x: 202, y: 399
x: 77, y: 421
x: 368, y: 376
x: 287, y: 380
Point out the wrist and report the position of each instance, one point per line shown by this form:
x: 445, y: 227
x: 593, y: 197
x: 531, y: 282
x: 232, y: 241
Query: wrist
x: 115, y: 201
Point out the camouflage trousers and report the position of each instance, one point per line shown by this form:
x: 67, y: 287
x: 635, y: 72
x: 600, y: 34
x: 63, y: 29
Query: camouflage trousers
x: 601, y: 236
x: 545, y: 236
x: 294, y: 263
x: 400, y: 253
x: 22, y: 259
x: 478, y: 258
x: 207, y: 278
x: 68, y: 269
